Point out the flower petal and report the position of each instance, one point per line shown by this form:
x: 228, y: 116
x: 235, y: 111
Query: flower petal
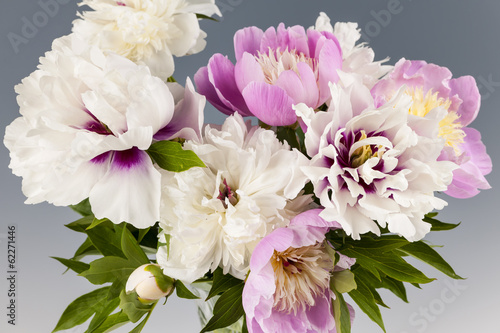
x: 270, y: 104
x: 247, y: 40
x: 129, y: 191
x: 466, y: 89
x: 207, y: 89
x: 248, y: 70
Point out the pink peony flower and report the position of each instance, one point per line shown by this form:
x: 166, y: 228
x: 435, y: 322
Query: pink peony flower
x: 432, y: 86
x: 288, y: 288
x: 274, y: 70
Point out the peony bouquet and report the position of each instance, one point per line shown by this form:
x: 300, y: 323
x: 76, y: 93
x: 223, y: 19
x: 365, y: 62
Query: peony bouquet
x: 319, y: 184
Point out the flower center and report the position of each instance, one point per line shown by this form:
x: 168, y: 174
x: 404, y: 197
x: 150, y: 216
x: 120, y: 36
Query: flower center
x: 225, y: 192
x: 276, y: 62
x: 449, y: 127
x: 301, y: 274
x: 362, y: 154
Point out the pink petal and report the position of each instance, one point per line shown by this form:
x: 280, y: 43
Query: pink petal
x: 270, y: 104
x: 248, y: 70
x: 303, y: 88
x: 206, y: 88
x: 330, y: 60
x: 279, y: 240
x: 221, y: 74
x: 466, y: 89
x: 311, y: 218
x: 247, y: 40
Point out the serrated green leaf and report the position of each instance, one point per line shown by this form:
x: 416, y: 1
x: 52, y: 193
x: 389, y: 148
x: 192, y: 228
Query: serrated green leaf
x: 133, y: 307
x: 183, y: 292
x: 82, y: 309
x: 221, y: 283
x: 102, y: 314
x: 437, y: 225
x: 80, y: 225
x: 366, y: 302
x: 170, y: 156
x: 132, y: 250
x: 108, y: 269
x: 388, y: 263
x: 227, y: 310
x: 74, y: 265
x: 83, y: 208
x: 112, y: 322
x: 427, y: 254
x: 341, y: 314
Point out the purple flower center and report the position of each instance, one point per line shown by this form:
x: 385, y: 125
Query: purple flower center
x: 225, y: 192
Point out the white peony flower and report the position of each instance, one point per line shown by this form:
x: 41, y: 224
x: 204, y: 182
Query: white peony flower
x: 215, y: 216
x: 358, y: 58
x: 145, y: 31
x: 375, y: 163
x: 86, y: 120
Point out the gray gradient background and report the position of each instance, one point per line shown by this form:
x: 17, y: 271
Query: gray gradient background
x: 462, y: 35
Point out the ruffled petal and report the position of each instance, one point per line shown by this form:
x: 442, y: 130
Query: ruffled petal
x: 129, y: 191
x: 207, y: 89
x: 466, y: 89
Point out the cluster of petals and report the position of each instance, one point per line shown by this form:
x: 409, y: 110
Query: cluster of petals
x: 356, y: 57
x: 144, y: 31
x: 274, y: 70
x: 432, y: 86
x: 215, y: 216
x: 288, y: 288
x: 87, y: 119
x: 375, y: 163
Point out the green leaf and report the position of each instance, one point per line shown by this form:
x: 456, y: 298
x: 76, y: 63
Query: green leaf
x: 397, y: 287
x: 244, y: 327
x: 381, y: 244
x: 133, y: 307
x: 96, y: 222
x: 82, y: 309
x: 427, y: 254
x: 140, y: 327
x: 183, y: 292
x: 86, y: 249
x: 287, y: 134
x: 341, y: 314
x: 343, y: 281
x: 112, y: 322
x: 221, y: 283
x: 83, y: 208
x: 366, y: 302
x: 75, y: 265
x: 170, y: 156
x: 227, y: 310
x: 106, y: 240
x: 132, y: 250
x: 388, y: 263
x: 80, y: 225
x: 164, y: 282
x: 102, y: 314
x: 142, y: 234
x: 202, y: 16
x: 437, y: 225
x: 108, y: 269
x: 171, y: 79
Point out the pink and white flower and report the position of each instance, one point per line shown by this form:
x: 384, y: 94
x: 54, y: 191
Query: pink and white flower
x: 146, y: 32
x: 432, y: 86
x: 288, y: 288
x: 375, y: 163
x: 274, y: 70
x: 86, y: 122
x: 215, y: 216
x: 356, y: 57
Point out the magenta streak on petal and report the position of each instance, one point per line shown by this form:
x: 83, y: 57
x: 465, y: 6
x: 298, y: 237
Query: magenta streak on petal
x: 100, y: 159
x: 119, y: 3
x: 96, y: 127
x: 128, y: 159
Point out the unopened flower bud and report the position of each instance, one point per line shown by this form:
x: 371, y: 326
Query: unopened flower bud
x: 149, y: 282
